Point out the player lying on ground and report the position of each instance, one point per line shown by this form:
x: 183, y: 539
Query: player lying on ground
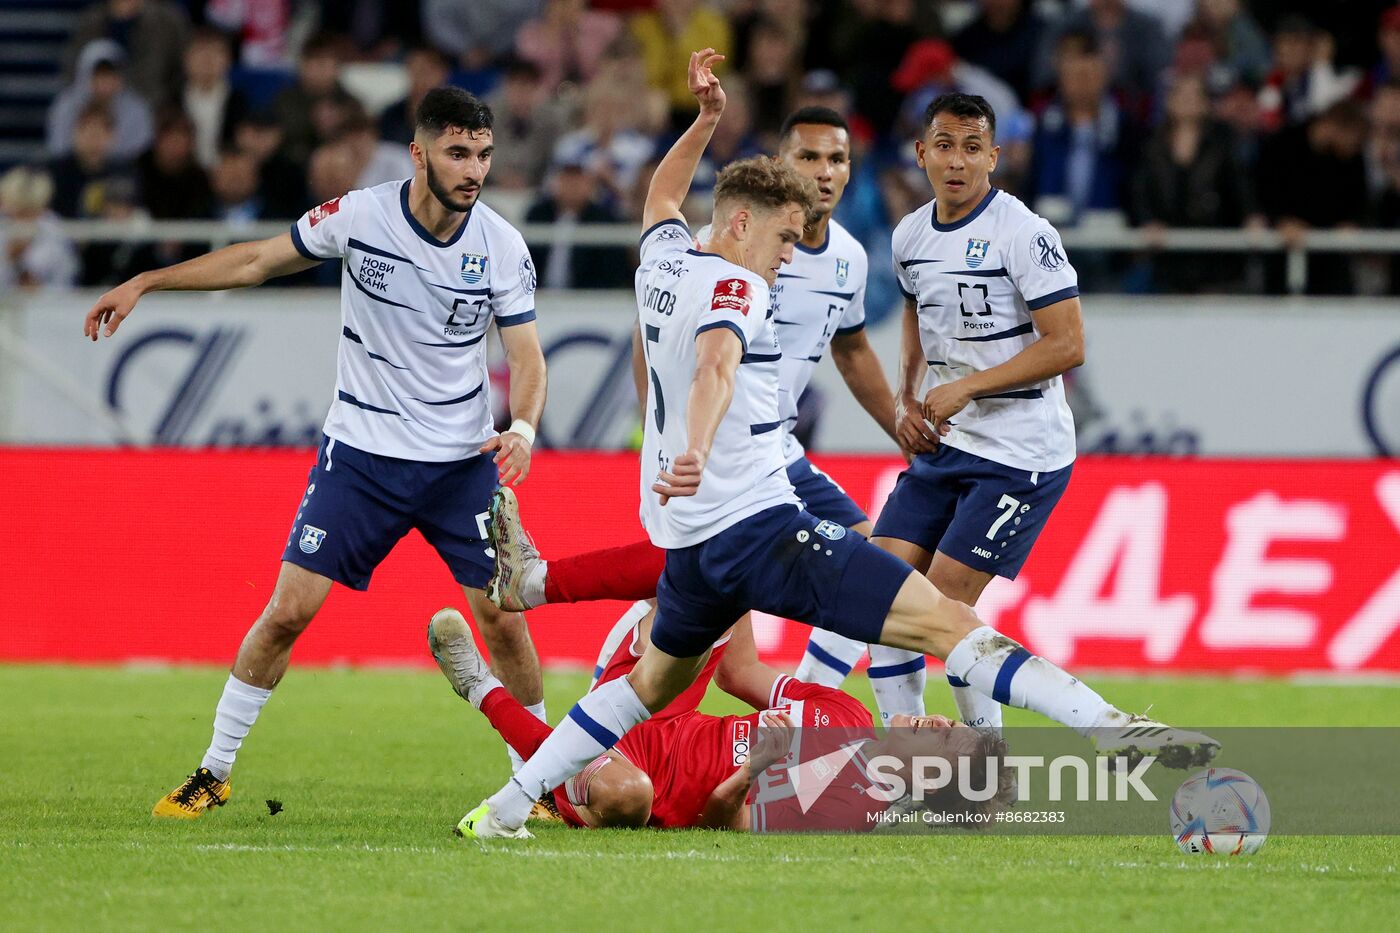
x: 715, y: 495
x: 426, y: 271
x: 683, y: 768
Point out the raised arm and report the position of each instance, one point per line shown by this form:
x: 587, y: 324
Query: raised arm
x: 238, y: 266
x: 670, y: 183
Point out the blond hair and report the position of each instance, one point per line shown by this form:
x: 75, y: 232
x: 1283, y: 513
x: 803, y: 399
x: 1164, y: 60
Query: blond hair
x: 765, y: 183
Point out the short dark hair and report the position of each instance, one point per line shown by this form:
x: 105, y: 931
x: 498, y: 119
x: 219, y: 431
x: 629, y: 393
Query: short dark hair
x: 764, y: 182
x: 971, y: 106
x: 813, y: 115
x: 445, y: 108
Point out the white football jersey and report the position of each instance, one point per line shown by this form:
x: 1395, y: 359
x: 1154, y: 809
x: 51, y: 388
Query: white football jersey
x: 411, y: 379
x: 681, y: 293
x: 818, y: 295
x: 976, y: 282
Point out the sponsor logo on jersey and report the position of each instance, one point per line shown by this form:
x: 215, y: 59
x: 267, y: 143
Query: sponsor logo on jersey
x: 843, y: 272
x: 668, y: 232
x: 830, y: 530
x: 322, y: 211
x: 527, y: 273
x: 473, y: 268
x: 740, y: 741
x: 1047, y: 252
x: 976, y: 251
x: 731, y: 295
x: 311, y: 538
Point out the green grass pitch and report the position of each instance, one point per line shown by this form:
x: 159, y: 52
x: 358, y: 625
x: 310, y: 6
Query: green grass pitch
x: 374, y: 768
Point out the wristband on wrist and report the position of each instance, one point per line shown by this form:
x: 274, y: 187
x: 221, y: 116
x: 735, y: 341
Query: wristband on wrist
x: 524, y: 429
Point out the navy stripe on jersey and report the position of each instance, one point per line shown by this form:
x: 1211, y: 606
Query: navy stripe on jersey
x: 454, y: 401
x: 510, y: 320
x: 757, y: 429
x: 906, y: 263
x: 980, y: 273
x: 816, y: 250
x: 661, y: 223
x: 653, y: 332
x: 300, y: 244
x: 1023, y: 329
x: 760, y: 357
x: 788, y: 323
x: 909, y: 295
x: 729, y: 324
x: 845, y: 296
x: 937, y: 363
x: 1046, y: 300
x: 347, y: 397
x: 1020, y: 393
x: 349, y: 334
x: 789, y: 275
x: 810, y: 359
x: 364, y: 247
x: 463, y: 343
x: 853, y: 329
x: 421, y: 230
x: 354, y: 278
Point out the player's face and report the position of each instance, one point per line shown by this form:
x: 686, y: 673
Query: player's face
x: 769, y: 237
x: 823, y: 154
x: 456, y: 164
x: 958, y: 155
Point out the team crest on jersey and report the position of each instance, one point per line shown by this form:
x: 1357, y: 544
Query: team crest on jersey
x: 311, y: 538
x: 731, y: 295
x: 843, y: 272
x: 527, y: 274
x: 830, y: 530
x: 322, y: 211
x: 976, y: 252
x: 473, y: 268
x: 1047, y: 252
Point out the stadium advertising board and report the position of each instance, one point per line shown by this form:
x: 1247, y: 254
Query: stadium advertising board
x: 1164, y: 375
x: 1149, y: 564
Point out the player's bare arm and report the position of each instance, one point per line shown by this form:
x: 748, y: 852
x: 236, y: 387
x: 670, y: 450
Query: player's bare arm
x: 911, y: 432
x: 670, y: 183
x: 639, y: 369
x: 860, y: 367
x: 718, y: 352
x: 525, y: 360
x: 725, y: 808
x: 1059, y: 348
x: 241, y: 265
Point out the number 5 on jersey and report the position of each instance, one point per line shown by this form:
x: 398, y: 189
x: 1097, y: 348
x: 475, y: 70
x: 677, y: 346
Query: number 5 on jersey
x: 653, y: 334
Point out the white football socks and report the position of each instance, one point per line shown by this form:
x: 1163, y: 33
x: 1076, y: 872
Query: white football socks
x: 592, y: 727
x: 975, y: 708
x: 532, y: 588
x: 897, y: 678
x: 237, y: 711
x: 829, y: 658
x: 516, y: 762
x: 998, y: 667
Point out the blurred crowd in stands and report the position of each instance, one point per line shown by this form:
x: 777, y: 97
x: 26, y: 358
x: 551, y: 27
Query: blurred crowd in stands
x: 1154, y: 113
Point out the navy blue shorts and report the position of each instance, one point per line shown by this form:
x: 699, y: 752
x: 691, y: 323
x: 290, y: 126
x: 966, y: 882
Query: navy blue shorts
x: 822, y: 496
x: 358, y: 505
x: 783, y: 561
x: 976, y: 511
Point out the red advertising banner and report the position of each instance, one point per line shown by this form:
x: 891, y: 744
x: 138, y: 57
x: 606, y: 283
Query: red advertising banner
x: 1147, y: 565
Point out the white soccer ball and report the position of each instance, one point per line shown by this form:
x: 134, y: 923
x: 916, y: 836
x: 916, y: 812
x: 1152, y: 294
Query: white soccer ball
x: 1220, y: 811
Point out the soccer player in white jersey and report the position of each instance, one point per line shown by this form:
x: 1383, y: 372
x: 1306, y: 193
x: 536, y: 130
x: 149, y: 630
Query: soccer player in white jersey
x: 716, y: 497
x: 991, y: 323
x: 426, y: 269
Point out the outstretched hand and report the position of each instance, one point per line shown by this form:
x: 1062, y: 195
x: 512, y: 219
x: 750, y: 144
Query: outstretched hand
x: 111, y: 309
x: 703, y: 83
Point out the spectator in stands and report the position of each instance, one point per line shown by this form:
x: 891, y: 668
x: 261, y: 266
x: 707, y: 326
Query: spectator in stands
x: 151, y: 34
x: 281, y: 182
x: 609, y: 142
x: 1131, y: 43
x: 1383, y: 168
x: 871, y: 42
x: 332, y: 172
x: 1313, y: 176
x: 377, y: 161
x: 476, y: 33
x: 773, y: 72
x: 82, y: 178
x: 1303, y: 82
x: 1189, y: 177
x: 679, y: 24
x: 574, y: 197
x: 318, y: 81
x: 101, y: 81
x: 1003, y: 39
x: 213, y: 104
x: 1081, y: 153
x: 45, y: 258
x: 260, y: 25
x: 235, y: 184
x: 174, y: 184
x: 1388, y: 37
x: 427, y: 68
x: 527, y: 124
x: 567, y: 41
x: 1238, y: 42
x: 733, y: 138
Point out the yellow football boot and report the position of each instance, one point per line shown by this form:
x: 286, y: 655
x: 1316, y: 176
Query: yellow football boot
x: 200, y: 792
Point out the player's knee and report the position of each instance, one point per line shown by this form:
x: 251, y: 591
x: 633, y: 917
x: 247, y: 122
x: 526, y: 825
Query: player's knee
x: 621, y: 796
x: 286, y: 616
